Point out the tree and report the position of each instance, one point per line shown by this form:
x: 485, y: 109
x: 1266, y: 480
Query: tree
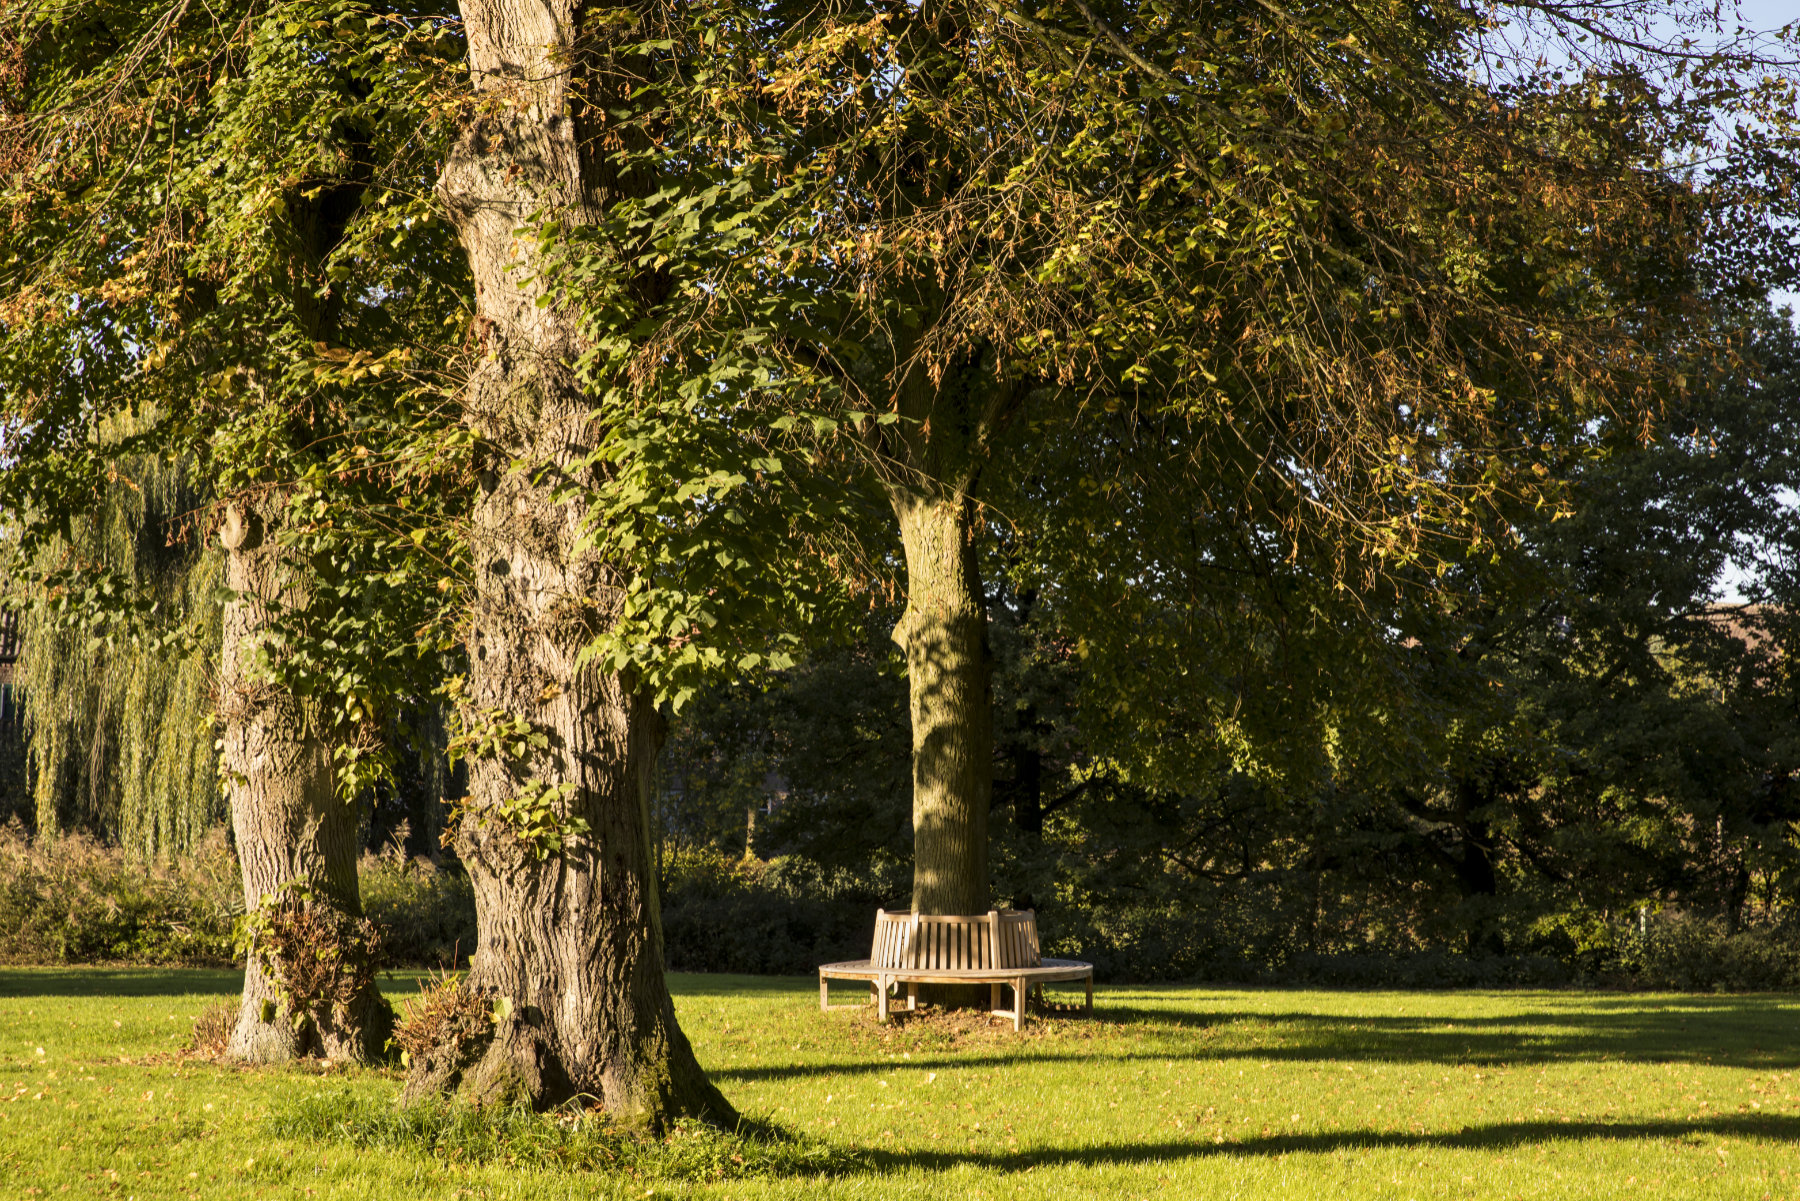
x: 1635, y: 740
x: 1320, y: 298
x: 1340, y: 259
x: 1561, y: 734
x: 199, y: 270
x: 831, y: 734
x: 555, y: 831
x: 120, y: 730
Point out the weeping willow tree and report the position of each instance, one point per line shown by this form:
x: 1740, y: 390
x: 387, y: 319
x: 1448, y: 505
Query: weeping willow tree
x: 119, y: 710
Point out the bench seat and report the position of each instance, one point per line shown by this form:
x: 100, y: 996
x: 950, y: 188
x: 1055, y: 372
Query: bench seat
x: 1047, y: 970
x: 996, y: 949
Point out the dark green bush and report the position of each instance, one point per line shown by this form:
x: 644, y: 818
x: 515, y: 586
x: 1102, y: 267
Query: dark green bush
x: 77, y: 900
x: 1425, y: 969
x: 1163, y: 941
x: 1685, y: 953
x: 722, y: 914
x: 725, y: 915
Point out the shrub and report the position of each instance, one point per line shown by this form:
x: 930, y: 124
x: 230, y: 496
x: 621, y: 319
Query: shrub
x: 77, y: 900
x: 80, y: 901
x: 212, y: 1029
x: 1424, y: 969
x: 747, y: 915
x: 426, y: 912
x: 1695, y: 954
x: 321, y: 957
x: 445, y: 1016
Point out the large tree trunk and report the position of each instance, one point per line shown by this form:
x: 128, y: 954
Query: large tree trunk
x: 944, y: 634
x: 292, y: 830
x: 935, y: 456
x: 569, y: 936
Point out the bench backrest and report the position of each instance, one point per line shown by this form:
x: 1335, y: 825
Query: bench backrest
x: 999, y: 938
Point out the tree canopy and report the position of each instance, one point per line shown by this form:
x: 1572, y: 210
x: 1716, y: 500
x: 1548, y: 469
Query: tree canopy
x: 1286, y: 441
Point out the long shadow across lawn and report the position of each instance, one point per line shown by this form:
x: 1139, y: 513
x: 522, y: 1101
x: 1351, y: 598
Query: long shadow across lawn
x: 118, y: 982
x: 1474, y: 1138
x: 1746, y: 1032
x: 1743, y: 1031
x: 1737, y: 1031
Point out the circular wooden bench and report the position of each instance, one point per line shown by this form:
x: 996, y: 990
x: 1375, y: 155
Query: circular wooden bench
x: 998, y: 948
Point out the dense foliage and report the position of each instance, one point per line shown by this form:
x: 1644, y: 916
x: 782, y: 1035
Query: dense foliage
x: 1594, y: 748
x: 78, y: 900
x: 119, y: 666
x: 224, y: 281
x: 1346, y: 413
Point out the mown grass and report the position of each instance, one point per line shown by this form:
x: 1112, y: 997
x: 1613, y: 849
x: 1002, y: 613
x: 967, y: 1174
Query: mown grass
x: 1173, y: 1092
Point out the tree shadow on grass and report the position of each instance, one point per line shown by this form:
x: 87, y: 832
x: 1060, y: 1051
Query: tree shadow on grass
x: 712, y: 986
x: 1497, y: 1137
x: 118, y: 982
x: 1744, y: 1032
x: 1531, y: 1009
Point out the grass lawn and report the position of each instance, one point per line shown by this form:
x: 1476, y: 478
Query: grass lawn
x: 1173, y: 1092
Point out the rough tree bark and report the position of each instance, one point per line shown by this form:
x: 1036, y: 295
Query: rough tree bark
x: 931, y: 472
x: 569, y: 939
x: 933, y: 463
x: 933, y: 459
x: 291, y: 828
x: 944, y: 634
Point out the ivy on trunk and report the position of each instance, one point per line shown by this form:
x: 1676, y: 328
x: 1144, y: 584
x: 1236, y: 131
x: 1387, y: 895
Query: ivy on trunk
x: 555, y: 830
x: 293, y: 832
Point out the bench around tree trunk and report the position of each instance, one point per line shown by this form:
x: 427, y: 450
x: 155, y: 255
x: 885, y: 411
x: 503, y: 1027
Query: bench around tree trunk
x: 998, y: 948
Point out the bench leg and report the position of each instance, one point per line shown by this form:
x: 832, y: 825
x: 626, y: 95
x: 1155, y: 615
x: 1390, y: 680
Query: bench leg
x: 994, y: 999
x: 881, y: 990
x: 912, y: 996
x: 1019, y: 1003
x: 824, y: 994
x: 1090, y: 994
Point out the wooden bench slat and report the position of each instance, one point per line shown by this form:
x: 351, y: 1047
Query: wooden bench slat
x: 861, y: 969
x: 949, y: 942
x: 999, y: 948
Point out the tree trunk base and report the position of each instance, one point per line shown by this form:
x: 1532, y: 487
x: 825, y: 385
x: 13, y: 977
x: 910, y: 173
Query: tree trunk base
x: 518, y: 1067
x: 267, y: 1033
x: 516, y: 1063
x: 439, y: 1073
x: 256, y: 1040
x: 361, y: 1034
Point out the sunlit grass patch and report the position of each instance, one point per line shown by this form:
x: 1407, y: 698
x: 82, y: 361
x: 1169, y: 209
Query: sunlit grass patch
x: 574, y: 1139
x: 1176, y: 1092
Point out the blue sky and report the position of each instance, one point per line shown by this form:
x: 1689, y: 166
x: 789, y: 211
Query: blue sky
x: 1770, y: 15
